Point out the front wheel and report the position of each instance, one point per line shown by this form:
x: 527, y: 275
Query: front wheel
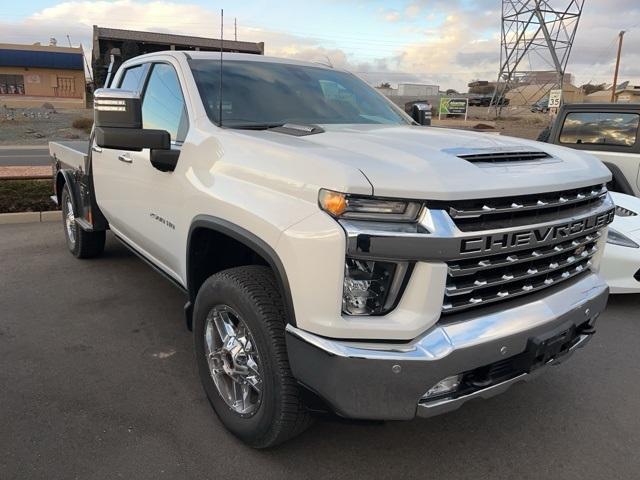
x: 81, y: 244
x: 239, y: 323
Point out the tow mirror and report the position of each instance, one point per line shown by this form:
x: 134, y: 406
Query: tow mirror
x: 118, y: 122
x: 116, y: 108
x: 421, y: 113
x: 118, y: 125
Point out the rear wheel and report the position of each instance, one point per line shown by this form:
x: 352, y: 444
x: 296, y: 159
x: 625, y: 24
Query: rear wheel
x: 81, y: 244
x: 240, y: 347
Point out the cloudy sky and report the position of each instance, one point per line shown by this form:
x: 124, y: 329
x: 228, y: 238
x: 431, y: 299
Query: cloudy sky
x: 447, y: 42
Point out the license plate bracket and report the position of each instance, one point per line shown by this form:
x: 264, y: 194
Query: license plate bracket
x: 545, y: 349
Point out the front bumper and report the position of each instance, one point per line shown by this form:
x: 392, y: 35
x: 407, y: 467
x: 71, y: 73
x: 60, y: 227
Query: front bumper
x: 388, y: 380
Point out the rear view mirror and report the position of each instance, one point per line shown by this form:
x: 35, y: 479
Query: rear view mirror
x: 132, y: 138
x: 116, y: 108
x: 421, y: 113
x: 118, y: 122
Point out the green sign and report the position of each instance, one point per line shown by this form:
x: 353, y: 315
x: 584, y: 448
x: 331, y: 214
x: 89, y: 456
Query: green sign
x: 453, y: 106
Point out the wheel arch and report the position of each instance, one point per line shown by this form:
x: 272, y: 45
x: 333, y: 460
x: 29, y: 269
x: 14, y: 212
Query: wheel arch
x: 65, y: 177
x: 214, y: 228
x: 620, y: 180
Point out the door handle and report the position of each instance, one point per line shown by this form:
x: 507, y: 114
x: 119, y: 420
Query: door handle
x: 96, y: 148
x: 125, y: 157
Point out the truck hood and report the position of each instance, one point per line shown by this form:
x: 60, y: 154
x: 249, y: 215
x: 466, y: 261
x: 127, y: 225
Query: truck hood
x: 423, y: 163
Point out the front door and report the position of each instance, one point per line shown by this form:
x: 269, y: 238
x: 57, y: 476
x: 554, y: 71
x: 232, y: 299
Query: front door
x: 143, y: 203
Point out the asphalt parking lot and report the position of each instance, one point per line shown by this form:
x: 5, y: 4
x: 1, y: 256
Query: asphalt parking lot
x: 97, y: 380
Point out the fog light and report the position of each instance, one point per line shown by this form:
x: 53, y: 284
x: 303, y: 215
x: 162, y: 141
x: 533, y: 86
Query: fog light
x: 447, y: 385
x: 370, y: 287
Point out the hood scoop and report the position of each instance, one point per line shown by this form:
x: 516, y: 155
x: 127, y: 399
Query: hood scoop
x: 500, y: 155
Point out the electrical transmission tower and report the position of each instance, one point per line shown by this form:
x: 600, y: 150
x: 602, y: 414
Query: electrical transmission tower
x: 536, y: 40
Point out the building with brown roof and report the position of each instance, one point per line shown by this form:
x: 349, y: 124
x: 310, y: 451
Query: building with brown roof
x: 31, y: 75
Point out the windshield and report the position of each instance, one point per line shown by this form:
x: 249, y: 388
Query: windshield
x: 269, y: 94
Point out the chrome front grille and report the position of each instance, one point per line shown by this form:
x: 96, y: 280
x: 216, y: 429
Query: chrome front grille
x: 482, y: 281
x: 495, y: 249
x: 506, y: 212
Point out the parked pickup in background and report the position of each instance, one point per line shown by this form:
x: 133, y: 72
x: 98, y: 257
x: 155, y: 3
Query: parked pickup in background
x: 610, y: 132
x: 333, y: 254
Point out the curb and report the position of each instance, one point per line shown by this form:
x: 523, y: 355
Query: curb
x: 39, y: 146
x: 26, y: 177
x: 30, y: 217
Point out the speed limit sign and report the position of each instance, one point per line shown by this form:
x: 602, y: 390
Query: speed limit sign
x: 555, y: 96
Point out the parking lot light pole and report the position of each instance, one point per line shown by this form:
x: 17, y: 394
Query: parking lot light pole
x: 615, y: 73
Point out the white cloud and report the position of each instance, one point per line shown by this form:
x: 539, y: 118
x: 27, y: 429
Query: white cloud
x: 392, y: 16
x: 464, y: 46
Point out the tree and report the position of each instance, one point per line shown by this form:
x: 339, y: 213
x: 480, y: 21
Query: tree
x: 451, y: 91
x: 384, y: 85
x: 589, y: 88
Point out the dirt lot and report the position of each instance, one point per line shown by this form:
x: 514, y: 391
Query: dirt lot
x: 34, y: 126
x: 512, y: 122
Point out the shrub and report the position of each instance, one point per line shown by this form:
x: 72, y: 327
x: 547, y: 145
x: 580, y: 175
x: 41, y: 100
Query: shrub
x: 83, y: 123
x: 25, y: 196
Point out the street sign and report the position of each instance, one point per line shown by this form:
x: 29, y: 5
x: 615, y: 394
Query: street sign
x: 453, y: 106
x: 555, y: 98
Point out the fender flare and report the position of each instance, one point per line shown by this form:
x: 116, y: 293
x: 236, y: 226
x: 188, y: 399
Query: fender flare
x: 69, y: 179
x: 620, y: 179
x: 251, y: 241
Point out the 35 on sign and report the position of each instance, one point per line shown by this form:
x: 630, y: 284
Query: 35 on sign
x: 554, y: 98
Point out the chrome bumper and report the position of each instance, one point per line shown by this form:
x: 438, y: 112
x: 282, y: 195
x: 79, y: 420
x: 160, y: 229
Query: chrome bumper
x: 437, y: 407
x: 387, y: 381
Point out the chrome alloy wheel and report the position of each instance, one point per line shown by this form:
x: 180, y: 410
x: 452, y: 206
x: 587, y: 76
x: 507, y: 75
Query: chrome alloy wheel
x: 70, y: 221
x: 233, y: 360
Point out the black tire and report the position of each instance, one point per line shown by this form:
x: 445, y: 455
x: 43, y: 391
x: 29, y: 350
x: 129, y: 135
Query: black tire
x: 81, y: 244
x: 251, y: 291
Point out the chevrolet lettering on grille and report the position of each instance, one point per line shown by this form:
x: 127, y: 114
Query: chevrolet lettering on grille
x: 530, y: 238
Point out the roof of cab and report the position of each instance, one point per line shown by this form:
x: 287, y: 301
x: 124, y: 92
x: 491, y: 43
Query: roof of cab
x: 227, y: 56
x: 597, y: 107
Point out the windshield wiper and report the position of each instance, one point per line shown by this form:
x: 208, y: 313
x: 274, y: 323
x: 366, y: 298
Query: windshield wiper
x: 295, y: 129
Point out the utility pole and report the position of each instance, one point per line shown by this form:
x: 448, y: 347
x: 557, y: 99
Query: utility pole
x: 235, y: 29
x: 615, y: 74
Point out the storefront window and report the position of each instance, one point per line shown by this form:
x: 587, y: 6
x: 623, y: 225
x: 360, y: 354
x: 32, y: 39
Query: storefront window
x: 11, y: 84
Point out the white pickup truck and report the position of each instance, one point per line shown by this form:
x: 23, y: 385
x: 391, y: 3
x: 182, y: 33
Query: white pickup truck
x: 335, y: 255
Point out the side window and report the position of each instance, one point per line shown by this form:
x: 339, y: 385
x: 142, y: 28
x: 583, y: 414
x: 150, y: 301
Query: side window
x: 163, y: 105
x: 132, y: 78
x: 604, y: 128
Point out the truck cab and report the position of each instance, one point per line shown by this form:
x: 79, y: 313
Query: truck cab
x: 608, y: 131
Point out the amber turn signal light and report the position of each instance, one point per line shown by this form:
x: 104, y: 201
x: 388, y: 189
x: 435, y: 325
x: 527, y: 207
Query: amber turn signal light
x: 333, y: 202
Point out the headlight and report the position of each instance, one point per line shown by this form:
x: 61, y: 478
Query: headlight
x: 371, y: 287
x: 367, y: 208
x: 617, y: 238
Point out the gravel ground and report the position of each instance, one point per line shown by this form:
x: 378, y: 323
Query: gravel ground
x: 35, y: 126
x: 99, y: 382
x: 39, y: 126
x: 20, y: 172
